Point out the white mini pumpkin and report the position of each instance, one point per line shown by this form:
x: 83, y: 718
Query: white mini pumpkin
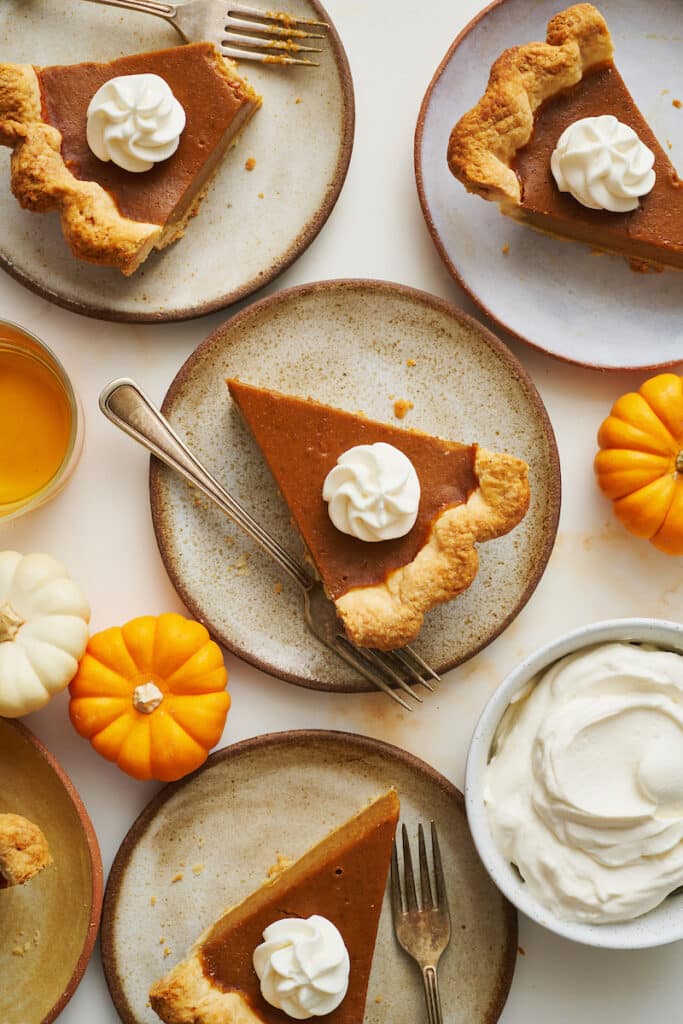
x: 43, y: 631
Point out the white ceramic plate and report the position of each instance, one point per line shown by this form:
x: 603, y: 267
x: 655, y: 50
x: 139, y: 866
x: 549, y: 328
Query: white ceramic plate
x: 552, y: 294
x: 246, y: 805
x: 346, y: 343
x: 252, y: 224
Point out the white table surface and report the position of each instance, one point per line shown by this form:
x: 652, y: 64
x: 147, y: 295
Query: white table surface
x: 100, y: 526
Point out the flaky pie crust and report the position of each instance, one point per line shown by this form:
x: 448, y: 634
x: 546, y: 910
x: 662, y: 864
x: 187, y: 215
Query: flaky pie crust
x: 485, y: 140
x: 23, y: 849
x: 388, y: 615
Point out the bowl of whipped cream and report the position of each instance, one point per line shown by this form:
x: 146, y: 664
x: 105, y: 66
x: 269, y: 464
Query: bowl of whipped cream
x: 574, y: 784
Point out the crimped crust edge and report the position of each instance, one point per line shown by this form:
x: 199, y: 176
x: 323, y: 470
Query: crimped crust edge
x: 390, y: 614
x: 484, y: 141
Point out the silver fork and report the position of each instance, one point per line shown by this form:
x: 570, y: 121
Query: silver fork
x: 127, y: 406
x: 223, y: 23
x: 423, y: 929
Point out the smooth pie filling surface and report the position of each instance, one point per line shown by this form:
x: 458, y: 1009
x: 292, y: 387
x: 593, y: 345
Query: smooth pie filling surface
x: 584, y: 789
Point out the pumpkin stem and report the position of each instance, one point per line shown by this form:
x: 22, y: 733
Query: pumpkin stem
x: 679, y: 462
x: 147, y: 697
x: 10, y: 623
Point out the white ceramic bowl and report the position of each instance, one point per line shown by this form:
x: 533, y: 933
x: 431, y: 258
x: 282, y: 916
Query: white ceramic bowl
x: 661, y: 925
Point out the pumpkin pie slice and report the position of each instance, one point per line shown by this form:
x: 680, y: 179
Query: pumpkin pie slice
x: 342, y: 879
x: 501, y: 149
x: 23, y: 850
x: 111, y: 216
x: 383, y: 589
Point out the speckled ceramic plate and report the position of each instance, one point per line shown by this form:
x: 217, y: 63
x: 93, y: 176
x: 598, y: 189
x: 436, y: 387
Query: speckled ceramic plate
x: 251, y: 225
x: 552, y: 294
x: 222, y: 828
x: 47, y: 926
x: 347, y: 343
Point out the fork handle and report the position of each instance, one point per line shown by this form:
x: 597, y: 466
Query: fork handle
x: 166, y: 11
x: 431, y: 984
x: 129, y: 408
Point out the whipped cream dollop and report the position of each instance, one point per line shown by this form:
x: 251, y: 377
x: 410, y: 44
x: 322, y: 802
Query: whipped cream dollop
x: 603, y: 164
x: 584, y: 788
x: 303, y: 966
x: 134, y: 121
x: 373, y: 492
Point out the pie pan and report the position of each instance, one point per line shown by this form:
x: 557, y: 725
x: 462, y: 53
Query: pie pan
x: 49, y: 925
x: 464, y: 384
x: 252, y: 224
x: 222, y: 828
x: 555, y: 295
x: 662, y: 924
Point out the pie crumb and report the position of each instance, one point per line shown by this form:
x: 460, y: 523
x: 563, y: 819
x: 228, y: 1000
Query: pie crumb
x: 249, y: 164
x: 177, y: 877
x: 152, y: 901
x: 410, y: 362
x: 677, y: 104
x: 18, y: 951
x: 197, y: 869
x: 401, y: 407
x: 261, y: 196
x: 279, y: 866
x: 298, y: 99
x: 167, y: 952
x: 506, y: 249
x: 521, y: 950
x: 162, y: 940
x: 378, y: 999
x: 669, y: 143
x: 182, y: 863
x: 200, y: 841
x: 278, y: 588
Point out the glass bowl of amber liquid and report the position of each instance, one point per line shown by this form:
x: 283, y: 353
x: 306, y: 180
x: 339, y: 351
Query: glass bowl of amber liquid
x: 41, y: 423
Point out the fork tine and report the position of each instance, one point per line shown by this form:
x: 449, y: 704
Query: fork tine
x: 396, y: 899
x: 410, y: 668
x: 439, y: 880
x: 409, y: 878
x: 425, y: 887
x: 353, y: 656
x: 271, y: 58
x: 382, y: 664
x: 270, y: 29
x: 422, y: 664
x: 272, y: 44
x: 281, y: 16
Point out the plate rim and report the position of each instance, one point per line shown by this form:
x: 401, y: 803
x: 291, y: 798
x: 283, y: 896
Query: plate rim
x: 303, y: 240
x: 289, y: 737
x: 439, y: 243
x: 426, y: 299
x: 95, y: 856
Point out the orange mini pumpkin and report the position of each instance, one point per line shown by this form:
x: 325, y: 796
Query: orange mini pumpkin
x: 640, y: 465
x: 151, y: 696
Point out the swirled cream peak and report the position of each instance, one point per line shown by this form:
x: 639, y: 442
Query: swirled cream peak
x: 134, y: 121
x: 303, y: 966
x: 373, y: 492
x: 584, y: 790
x: 603, y: 164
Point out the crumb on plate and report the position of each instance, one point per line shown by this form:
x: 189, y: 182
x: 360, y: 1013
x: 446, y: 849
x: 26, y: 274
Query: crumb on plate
x: 401, y: 407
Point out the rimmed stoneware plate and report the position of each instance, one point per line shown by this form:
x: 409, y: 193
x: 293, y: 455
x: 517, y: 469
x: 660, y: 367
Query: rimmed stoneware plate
x: 555, y: 295
x: 252, y: 224
x: 347, y: 343
x: 223, y: 827
x: 49, y: 925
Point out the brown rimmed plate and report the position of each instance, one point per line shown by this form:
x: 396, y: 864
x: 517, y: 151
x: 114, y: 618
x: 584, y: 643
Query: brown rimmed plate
x: 555, y: 295
x: 252, y: 224
x: 350, y: 344
x: 49, y: 925
x: 222, y: 828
